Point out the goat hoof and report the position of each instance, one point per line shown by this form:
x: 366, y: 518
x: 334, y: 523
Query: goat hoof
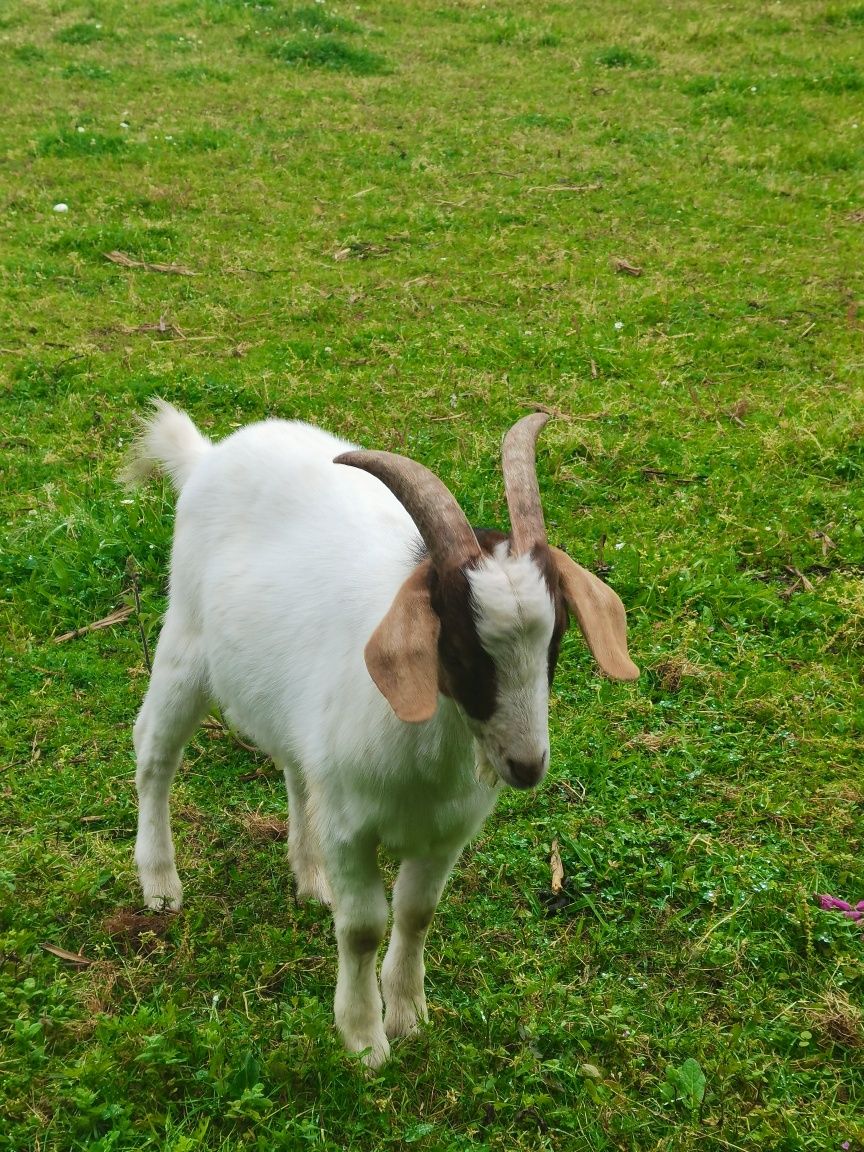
x: 372, y: 1050
x: 403, y: 1019
x: 165, y: 895
x: 375, y: 1056
x: 162, y: 904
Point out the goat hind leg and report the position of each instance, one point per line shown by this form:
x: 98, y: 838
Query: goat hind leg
x: 303, y: 851
x: 415, y: 897
x: 173, y: 706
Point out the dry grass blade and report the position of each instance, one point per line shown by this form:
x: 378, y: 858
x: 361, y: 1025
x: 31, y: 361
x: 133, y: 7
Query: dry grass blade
x: 264, y: 826
x: 839, y: 1020
x: 69, y: 957
x: 116, y: 617
x: 800, y: 578
x: 557, y: 868
x: 214, y: 724
x: 571, y: 793
x: 739, y: 408
x: 127, y: 262
x: 559, y: 413
x: 566, y: 188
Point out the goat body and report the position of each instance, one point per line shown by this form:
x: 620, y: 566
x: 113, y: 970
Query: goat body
x: 284, y: 565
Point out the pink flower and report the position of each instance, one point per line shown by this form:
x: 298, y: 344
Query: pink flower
x: 835, y: 904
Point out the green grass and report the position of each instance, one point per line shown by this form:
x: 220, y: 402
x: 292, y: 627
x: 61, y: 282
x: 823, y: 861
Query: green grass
x: 412, y: 252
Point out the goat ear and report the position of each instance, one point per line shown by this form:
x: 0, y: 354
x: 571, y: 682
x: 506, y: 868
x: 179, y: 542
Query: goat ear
x: 402, y: 653
x: 600, y: 615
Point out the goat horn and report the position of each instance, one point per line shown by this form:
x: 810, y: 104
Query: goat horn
x: 433, y: 508
x: 527, y: 529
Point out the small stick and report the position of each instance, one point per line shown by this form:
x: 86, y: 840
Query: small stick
x: 565, y: 786
x: 134, y: 576
x: 117, y: 617
x: 557, y: 868
x: 601, y: 545
x: 565, y: 188
x: 69, y: 957
x: 215, y: 725
x: 127, y: 262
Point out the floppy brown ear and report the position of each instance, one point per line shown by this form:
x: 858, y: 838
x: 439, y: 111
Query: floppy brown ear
x: 600, y: 615
x: 402, y: 653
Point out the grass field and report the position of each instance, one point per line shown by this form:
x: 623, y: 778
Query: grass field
x: 410, y: 222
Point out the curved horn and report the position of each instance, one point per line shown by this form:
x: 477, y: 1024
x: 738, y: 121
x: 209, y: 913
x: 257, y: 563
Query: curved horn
x: 433, y: 508
x: 527, y: 529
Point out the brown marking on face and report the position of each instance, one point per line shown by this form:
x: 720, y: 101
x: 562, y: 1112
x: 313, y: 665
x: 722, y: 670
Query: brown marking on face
x: 542, y: 557
x: 466, y: 671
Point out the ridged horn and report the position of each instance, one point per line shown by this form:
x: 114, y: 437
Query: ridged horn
x: 433, y: 508
x: 527, y: 529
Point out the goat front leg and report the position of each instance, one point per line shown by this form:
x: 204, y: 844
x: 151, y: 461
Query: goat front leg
x: 415, y: 897
x: 360, y: 918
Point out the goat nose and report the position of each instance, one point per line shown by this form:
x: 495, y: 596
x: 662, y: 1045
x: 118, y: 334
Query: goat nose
x: 527, y: 775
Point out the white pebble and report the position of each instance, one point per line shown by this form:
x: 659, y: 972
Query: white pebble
x: 61, y: 207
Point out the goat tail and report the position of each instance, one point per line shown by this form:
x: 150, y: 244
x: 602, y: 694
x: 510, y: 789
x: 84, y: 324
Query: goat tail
x: 169, y: 442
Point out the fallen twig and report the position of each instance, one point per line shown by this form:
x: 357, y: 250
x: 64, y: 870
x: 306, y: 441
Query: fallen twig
x: 662, y: 474
x: 69, y: 957
x: 116, y: 617
x: 214, y: 724
x: 567, y: 787
x: 557, y: 868
x: 133, y: 577
x: 566, y: 188
x: 127, y: 262
x: 800, y: 578
x: 139, y: 329
x: 625, y: 266
x: 739, y: 409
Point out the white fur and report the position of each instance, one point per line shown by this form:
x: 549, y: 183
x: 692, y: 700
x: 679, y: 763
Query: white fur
x: 283, y: 565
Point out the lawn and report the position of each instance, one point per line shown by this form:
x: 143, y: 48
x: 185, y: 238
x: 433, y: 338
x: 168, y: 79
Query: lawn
x: 411, y: 223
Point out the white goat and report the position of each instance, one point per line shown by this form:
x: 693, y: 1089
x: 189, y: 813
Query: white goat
x: 286, y: 566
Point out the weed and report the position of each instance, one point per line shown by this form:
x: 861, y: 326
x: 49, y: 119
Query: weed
x: 618, y: 57
x: 82, y: 33
x: 331, y: 53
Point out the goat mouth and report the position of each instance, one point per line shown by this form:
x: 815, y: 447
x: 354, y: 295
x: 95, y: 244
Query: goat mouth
x: 498, y: 768
x: 524, y: 774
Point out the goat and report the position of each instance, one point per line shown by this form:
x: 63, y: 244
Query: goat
x: 393, y: 662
